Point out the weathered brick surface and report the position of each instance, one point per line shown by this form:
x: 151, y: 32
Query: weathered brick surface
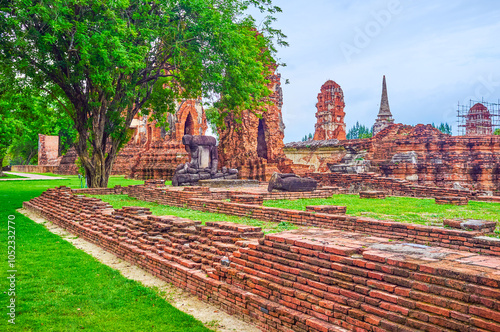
x: 451, y: 200
x: 48, y: 150
x: 443, y: 160
x: 213, y: 201
x: 372, y: 194
x: 354, y: 183
x: 302, y: 280
x: 255, y: 144
x: 330, y: 113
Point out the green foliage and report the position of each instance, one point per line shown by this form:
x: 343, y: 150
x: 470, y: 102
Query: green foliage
x: 103, y: 61
x: 497, y: 131
x: 307, y: 137
x: 359, y: 131
x: 213, y: 119
x: 444, y: 128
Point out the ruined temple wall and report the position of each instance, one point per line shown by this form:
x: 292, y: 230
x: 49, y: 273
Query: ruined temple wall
x: 255, y: 146
x: 163, y: 150
x: 443, y: 160
x: 318, y: 159
x: 48, y: 150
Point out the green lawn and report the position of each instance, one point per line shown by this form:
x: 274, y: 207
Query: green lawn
x: 402, y: 209
x: 119, y: 201
x: 61, y: 288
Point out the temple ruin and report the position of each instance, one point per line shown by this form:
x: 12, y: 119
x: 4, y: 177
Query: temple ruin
x: 152, y: 152
x: 48, y: 150
x: 255, y: 146
x: 330, y: 113
x: 478, y: 118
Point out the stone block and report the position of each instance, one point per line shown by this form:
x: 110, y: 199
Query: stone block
x: 330, y: 209
x: 372, y: 194
x: 453, y: 200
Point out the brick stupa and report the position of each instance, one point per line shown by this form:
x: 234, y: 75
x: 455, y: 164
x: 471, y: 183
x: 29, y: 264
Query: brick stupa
x: 330, y: 113
x: 478, y: 121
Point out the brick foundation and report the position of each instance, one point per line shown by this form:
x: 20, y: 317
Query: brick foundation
x: 302, y: 280
x: 472, y: 241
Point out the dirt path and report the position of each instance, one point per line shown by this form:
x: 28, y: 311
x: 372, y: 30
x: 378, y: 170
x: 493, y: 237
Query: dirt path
x: 29, y: 176
x: 211, y: 316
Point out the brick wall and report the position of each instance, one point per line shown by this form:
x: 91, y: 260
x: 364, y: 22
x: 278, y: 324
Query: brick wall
x: 33, y: 169
x: 472, y: 241
x: 303, y: 280
x: 356, y: 182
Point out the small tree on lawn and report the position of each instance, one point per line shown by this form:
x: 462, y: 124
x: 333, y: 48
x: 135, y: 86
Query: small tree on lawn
x: 104, y: 60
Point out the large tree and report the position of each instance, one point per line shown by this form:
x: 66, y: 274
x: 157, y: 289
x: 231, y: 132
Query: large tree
x: 106, y: 60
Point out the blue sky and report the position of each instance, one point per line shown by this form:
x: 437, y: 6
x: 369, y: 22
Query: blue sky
x: 434, y: 54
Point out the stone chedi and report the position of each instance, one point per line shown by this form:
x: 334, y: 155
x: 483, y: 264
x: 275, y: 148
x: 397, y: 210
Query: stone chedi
x: 203, y: 163
x: 384, y: 118
x: 478, y: 121
x: 291, y: 182
x: 330, y: 113
x: 255, y: 146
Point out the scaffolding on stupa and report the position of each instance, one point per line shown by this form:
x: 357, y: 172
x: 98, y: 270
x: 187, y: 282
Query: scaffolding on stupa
x: 478, y: 121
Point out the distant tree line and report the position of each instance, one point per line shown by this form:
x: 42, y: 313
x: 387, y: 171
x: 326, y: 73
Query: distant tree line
x: 307, y: 137
x: 444, y: 128
x: 359, y: 131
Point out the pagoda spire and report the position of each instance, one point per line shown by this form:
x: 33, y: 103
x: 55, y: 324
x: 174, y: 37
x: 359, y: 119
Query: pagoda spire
x: 384, y: 117
x: 385, y: 110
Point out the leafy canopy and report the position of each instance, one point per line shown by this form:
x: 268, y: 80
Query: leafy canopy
x: 104, y: 60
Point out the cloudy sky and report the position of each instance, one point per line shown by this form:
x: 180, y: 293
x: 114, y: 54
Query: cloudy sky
x: 434, y: 54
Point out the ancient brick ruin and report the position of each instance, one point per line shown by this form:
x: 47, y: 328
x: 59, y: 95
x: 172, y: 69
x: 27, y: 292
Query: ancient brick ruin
x: 152, y: 152
x: 478, y: 121
x: 330, y: 113
x: 441, y: 160
x: 255, y: 146
x: 48, y: 150
x: 347, y: 275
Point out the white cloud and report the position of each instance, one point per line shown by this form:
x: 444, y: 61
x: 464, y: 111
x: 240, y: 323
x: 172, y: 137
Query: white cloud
x: 433, y: 54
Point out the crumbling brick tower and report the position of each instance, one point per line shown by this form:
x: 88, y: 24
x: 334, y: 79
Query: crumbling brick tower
x: 478, y: 122
x: 48, y: 150
x: 330, y: 113
x: 255, y: 146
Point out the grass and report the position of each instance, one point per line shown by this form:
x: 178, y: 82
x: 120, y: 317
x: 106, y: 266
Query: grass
x: 402, y: 209
x: 11, y: 176
x: 119, y: 201
x: 61, y: 288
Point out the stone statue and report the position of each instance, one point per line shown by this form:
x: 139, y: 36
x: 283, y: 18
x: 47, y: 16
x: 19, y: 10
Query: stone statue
x: 291, y: 182
x: 203, y: 164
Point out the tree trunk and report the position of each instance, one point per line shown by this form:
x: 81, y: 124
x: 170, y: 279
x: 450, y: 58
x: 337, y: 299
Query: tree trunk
x: 98, y: 166
x: 1, y: 166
